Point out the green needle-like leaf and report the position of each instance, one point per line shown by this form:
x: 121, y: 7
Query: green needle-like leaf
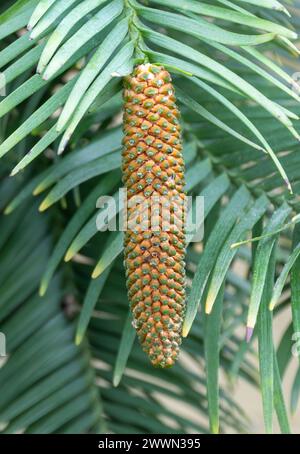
x: 212, y: 248
x: 283, y: 276
x: 212, y: 327
x: 227, y: 254
x: 125, y: 347
x: 295, y: 283
x: 120, y: 65
x: 97, y: 23
x: 265, y: 348
x: 89, y: 303
x: 92, y: 69
x: 112, y: 251
x: 50, y: 17
x: 202, y: 29
x: 226, y: 14
x: 279, y: 403
x: 41, y: 8
x: 91, y: 169
x: 261, y: 265
x: 63, y: 29
x: 104, y: 187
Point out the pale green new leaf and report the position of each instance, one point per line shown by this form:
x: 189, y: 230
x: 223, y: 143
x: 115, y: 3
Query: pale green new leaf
x: 93, y: 26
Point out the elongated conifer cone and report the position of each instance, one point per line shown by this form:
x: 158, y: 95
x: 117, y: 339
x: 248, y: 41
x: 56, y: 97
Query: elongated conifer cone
x: 153, y: 166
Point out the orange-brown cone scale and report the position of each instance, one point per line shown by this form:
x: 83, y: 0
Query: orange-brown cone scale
x: 153, y: 165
